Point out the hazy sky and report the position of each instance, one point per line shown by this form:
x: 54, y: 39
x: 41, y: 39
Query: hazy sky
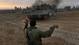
x: 69, y: 2
x: 9, y: 4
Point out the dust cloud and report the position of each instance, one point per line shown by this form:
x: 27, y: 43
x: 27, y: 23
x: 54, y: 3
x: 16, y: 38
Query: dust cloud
x: 50, y: 2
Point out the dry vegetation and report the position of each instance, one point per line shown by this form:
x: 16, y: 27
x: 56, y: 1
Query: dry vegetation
x: 11, y: 28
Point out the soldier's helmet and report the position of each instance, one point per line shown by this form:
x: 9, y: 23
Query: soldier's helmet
x: 32, y: 22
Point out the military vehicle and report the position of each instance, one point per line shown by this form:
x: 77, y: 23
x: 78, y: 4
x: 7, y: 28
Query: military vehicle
x: 43, y: 11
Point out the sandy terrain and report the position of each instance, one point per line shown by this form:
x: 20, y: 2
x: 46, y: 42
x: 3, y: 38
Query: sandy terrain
x: 11, y: 28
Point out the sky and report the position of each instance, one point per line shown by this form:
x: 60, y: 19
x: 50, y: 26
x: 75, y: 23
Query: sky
x: 69, y: 3
x: 10, y: 4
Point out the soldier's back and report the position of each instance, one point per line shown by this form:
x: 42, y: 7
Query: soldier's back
x: 33, y: 36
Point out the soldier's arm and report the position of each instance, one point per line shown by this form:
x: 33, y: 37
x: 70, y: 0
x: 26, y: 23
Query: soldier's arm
x: 49, y: 32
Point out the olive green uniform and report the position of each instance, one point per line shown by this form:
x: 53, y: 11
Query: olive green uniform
x: 34, y: 35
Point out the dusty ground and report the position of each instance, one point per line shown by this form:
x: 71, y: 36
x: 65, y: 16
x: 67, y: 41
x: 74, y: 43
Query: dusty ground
x: 11, y: 28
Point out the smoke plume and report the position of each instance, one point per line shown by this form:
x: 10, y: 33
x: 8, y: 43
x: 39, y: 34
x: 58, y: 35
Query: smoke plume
x: 50, y: 2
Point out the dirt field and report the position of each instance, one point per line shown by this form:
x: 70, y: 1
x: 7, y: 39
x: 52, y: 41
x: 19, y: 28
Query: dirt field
x: 11, y: 28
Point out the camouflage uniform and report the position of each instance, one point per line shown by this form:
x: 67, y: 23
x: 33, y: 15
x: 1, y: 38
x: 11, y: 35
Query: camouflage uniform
x: 34, y: 35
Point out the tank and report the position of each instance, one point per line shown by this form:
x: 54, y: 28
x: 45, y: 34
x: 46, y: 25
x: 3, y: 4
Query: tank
x: 43, y: 11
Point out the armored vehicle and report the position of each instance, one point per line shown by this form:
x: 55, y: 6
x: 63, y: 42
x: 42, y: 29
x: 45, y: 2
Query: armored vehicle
x: 43, y: 11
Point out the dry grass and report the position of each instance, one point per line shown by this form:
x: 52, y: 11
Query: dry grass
x: 11, y: 28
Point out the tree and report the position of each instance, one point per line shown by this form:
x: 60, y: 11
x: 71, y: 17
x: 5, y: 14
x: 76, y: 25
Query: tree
x: 16, y: 8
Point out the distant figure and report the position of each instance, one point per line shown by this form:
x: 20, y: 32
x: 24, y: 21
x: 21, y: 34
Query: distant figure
x: 34, y: 35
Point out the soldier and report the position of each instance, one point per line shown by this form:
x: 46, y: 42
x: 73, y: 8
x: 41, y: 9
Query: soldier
x: 34, y: 35
x: 27, y: 20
